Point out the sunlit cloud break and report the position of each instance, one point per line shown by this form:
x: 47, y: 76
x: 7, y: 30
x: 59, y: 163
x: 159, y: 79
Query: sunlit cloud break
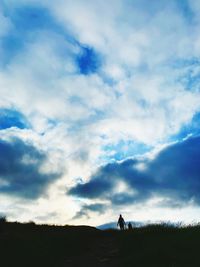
x: 99, y: 110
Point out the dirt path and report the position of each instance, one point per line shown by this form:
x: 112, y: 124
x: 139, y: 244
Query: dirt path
x: 103, y: 253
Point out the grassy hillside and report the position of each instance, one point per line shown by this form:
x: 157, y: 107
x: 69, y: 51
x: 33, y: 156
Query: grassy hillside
x: 160, y: 245
x: 56, y: 246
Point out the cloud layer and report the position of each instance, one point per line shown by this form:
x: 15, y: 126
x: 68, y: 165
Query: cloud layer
x: 21, y: 170
x: 85, y: 84
x: 173, y: 175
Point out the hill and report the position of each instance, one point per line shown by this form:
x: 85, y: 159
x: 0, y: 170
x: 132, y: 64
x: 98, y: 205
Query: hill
x: 113, y: 225
x: 76, y: 246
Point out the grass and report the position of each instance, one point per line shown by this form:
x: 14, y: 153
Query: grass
x: 161, y: 246
x: 56, y: 246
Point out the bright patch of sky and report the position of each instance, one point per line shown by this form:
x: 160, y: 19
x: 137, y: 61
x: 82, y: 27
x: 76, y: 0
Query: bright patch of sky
x: 124, y: 149
x: 85, y: 84
x: 12, y: 118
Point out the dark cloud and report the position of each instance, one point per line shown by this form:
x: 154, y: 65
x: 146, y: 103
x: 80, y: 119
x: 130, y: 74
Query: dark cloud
x: 2, y: 215
x: 176, y: 170
x: 85, y: 209
x: 100, y: 184
x: 12, y: 118
x: 20, y: 170
x: 174, y: 174
x: 170, y: 203
x: 105, y: 179
x: 124, y: 198
x: 93, y: 189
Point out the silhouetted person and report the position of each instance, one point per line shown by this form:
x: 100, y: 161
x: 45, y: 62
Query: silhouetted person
x: 121, y: 223
x: 130, y: 227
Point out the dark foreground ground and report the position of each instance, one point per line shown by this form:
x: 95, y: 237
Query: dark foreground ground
x: 28, y: 245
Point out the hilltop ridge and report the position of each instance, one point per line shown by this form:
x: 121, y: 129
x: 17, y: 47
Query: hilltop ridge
x: 76, y: 246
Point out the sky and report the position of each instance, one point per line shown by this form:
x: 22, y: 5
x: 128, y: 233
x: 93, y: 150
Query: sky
x: 99, y: 111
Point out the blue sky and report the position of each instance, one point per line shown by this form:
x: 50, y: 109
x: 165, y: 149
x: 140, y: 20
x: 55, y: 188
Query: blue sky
x: 99, y: 110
